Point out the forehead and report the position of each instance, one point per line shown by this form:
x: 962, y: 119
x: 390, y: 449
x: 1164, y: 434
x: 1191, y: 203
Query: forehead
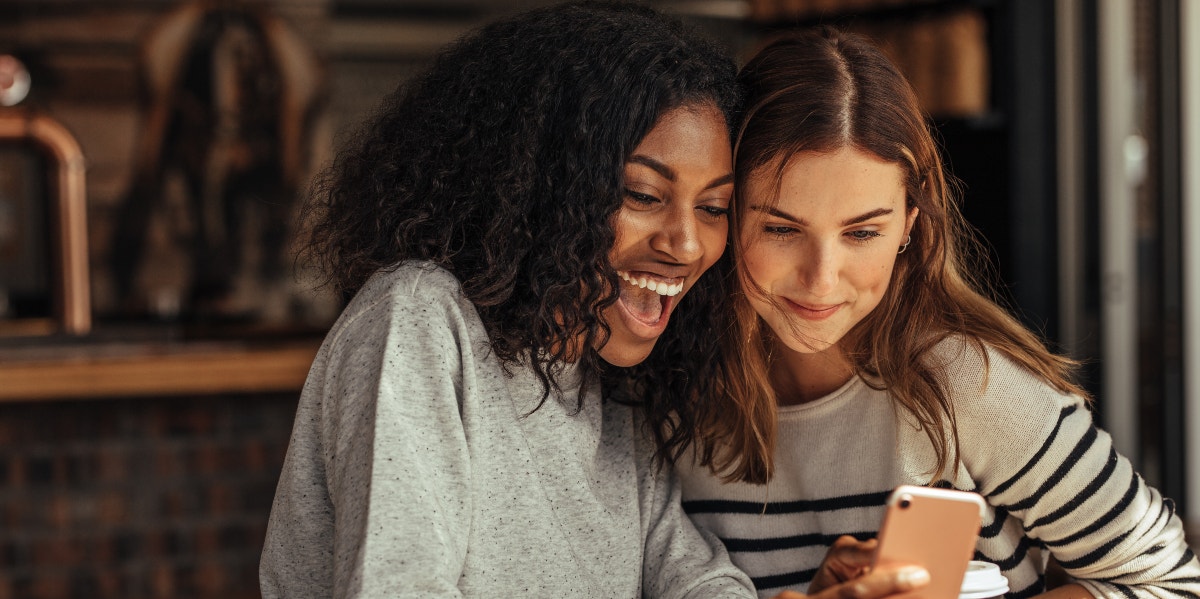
x: 845, y: 179
x: 681, y: 130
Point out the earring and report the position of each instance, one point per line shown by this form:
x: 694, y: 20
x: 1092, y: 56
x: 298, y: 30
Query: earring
x: 907, y: 240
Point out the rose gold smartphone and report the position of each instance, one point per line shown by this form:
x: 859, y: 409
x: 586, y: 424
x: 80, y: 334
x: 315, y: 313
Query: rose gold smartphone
x: 933, y: 528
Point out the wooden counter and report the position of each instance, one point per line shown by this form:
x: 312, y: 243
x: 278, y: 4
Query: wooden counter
x: 133, y: 369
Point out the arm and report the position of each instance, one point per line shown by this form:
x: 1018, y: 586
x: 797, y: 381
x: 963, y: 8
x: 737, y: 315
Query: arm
x: 1045, y: 463
x: 395, y: 454
x: 678, y: 560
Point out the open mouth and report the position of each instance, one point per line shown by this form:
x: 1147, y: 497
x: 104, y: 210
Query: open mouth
x: 647, y: 296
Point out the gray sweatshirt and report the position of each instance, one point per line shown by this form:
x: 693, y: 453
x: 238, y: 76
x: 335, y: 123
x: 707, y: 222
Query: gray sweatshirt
x: 416, y: 469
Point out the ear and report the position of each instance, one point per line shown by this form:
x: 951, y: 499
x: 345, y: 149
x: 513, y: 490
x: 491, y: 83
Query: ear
x: 910, y: 220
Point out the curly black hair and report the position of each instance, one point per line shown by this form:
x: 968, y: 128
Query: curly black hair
x: 503, y: 164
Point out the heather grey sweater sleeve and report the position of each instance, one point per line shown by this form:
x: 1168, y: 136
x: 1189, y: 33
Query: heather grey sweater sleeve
x: 379, y: 426
x: 680, y: 560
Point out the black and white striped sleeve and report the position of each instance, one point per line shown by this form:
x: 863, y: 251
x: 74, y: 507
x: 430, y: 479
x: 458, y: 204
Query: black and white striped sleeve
x: 1038, y: 455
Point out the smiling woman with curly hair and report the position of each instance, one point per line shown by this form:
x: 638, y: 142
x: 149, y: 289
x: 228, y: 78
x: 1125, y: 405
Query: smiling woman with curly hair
x: 503, y: 165
x: 519, y: 219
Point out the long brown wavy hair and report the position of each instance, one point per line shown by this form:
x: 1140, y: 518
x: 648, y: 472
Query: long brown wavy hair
x: 820, y: 91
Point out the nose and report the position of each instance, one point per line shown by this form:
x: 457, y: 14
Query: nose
x: 818, y: 267
x: 680, y: 238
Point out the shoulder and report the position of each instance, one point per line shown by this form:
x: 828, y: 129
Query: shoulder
x: 993, y: 395
x: 979, y: 370
x: 414, y: 297
x: 420, y: 281
x: 962, y: 359
x: 1005, y: 415
x: 409, y: 287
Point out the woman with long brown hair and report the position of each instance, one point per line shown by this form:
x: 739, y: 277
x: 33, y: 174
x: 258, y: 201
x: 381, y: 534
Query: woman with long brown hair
x: 868, y: 339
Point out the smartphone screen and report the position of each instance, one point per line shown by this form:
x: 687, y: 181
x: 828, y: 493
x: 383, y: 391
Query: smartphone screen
x: 933, y: 528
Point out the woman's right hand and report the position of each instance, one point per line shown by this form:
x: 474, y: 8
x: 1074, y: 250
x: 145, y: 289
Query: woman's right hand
x: 845, y: 574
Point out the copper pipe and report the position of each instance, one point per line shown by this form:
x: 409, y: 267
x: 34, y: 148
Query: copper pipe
x: 73, y: 303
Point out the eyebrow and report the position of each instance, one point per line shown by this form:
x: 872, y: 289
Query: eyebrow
x: 854, y: 220
x: 669, y: 173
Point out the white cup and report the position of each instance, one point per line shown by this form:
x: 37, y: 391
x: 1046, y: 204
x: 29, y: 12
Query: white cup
x: 983, y: 581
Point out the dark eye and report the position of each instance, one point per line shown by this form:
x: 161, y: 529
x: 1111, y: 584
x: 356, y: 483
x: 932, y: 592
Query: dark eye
x: 778, y: 230
x: 641, y: 198
x: 715, y: 211
x: 863, y: 235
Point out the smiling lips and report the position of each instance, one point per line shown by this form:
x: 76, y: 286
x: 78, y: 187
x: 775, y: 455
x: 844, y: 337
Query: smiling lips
x: 812, y: 312
x: 647, y: 296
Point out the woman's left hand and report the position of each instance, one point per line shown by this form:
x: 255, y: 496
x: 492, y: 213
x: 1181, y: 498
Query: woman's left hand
x: 847, y: 559
x: 846, y: 573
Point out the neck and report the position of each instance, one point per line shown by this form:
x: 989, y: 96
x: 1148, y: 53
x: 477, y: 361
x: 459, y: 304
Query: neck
x: 799, y: 378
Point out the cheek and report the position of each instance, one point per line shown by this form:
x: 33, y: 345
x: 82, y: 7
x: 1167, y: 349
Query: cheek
x: 879, y: 275
x: 626, y: 229
x: 762, y: 263
x: 713, y: 239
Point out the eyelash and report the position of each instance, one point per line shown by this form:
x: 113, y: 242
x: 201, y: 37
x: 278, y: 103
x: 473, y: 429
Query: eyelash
x: 714, y: 212
x: 866, y: 237
x: 641, y: 198
x: 860, y: 236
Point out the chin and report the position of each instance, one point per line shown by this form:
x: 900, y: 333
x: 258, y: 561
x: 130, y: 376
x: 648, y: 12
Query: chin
x: 625, y: 355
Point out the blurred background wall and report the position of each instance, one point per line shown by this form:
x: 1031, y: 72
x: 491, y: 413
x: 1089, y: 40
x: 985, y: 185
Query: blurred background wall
x: 138, y: 459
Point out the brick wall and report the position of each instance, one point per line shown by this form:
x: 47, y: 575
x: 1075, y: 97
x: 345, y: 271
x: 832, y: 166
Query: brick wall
x: 138, y: 498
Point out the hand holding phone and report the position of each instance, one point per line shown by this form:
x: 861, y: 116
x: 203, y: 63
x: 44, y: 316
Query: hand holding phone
x: 932, y: 528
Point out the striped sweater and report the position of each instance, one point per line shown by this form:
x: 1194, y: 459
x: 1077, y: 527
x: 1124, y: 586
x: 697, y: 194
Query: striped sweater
x: 1052, y: 480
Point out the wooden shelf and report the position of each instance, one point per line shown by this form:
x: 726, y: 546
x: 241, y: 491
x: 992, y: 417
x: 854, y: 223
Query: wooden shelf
x: 141, y: 370
x: 787, y: 18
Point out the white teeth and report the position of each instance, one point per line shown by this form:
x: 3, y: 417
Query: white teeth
x: 659, y: 287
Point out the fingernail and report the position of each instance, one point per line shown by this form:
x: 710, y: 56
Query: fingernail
x: 913, y: 576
